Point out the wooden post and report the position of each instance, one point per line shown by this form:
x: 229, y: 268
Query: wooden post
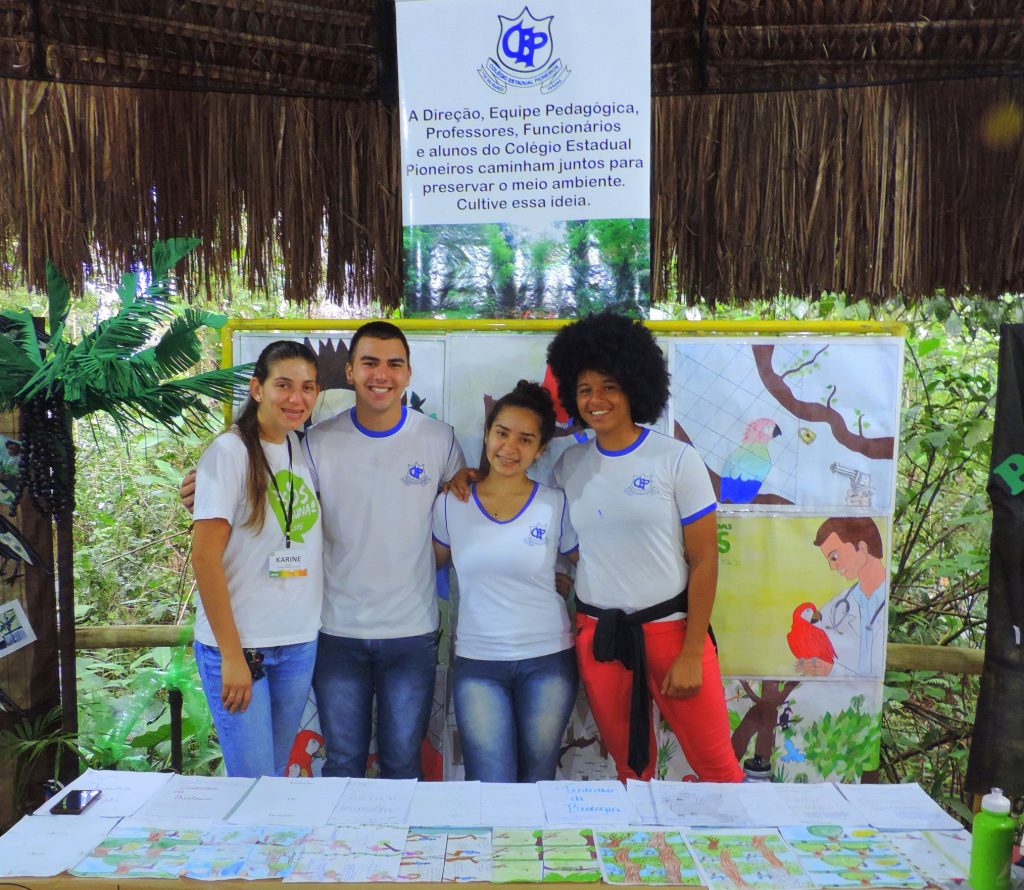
x: 30, y: 675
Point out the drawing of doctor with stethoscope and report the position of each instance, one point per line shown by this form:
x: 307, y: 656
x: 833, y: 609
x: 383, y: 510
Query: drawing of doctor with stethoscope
x: 853, y: 547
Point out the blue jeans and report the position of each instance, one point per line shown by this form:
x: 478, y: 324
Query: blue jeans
x: 348, y: 673
x: 512, y: 715
x: 256, y: 742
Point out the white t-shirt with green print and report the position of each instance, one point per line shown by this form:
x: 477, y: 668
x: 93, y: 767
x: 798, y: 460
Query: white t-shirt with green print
x: 268, y: 611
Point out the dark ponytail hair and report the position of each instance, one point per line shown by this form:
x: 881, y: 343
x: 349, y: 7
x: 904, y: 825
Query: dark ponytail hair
x: 248, y: 427
x: 533, y: 397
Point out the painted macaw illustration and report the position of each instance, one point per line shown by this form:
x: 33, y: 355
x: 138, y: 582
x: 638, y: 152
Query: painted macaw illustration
x: 746, y: 468
x: 807, y: 641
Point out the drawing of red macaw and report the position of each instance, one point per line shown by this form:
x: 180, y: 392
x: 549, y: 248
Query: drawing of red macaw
x: 807, y: 641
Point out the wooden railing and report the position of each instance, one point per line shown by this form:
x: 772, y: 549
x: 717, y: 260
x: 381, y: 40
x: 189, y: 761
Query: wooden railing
x: 899, y: 656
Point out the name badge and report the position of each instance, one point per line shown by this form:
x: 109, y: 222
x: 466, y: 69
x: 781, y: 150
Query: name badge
x: 289, y: 563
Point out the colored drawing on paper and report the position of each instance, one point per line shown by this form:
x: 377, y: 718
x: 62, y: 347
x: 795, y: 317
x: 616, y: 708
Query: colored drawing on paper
x: 216, y: 862
x: 811, y: 732
x: 467, y: 856
x: 505, y: 870
x: 631, y: 856
x: 792, y: 422
x: 821, y: 609
x: 740, y: 859
x: 835, y: 856
x: 140, y: 852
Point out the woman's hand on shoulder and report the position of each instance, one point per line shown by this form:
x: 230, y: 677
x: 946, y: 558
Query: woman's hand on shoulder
x: 235, y: 683
x: 459, y: 484
x: 684, y: 677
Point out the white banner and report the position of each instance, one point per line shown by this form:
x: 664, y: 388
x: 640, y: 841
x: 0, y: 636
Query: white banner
x: 524, y: 115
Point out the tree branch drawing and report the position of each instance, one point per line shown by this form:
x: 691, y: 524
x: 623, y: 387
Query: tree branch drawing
x: 878, y: 448
x: 762, y: 718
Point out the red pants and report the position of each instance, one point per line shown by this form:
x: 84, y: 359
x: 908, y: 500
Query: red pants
x: 700, y: 722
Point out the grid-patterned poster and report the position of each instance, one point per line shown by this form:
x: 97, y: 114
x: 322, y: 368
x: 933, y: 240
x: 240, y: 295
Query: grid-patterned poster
x: 525, y: 156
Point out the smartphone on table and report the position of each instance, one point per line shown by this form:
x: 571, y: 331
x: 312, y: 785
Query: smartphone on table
x: 76, y: 802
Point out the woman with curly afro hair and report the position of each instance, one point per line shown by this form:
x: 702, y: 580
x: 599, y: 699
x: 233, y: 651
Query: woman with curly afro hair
x: 643, y: 508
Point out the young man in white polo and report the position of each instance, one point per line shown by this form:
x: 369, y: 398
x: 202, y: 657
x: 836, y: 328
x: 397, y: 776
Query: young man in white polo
x: 379, y: 467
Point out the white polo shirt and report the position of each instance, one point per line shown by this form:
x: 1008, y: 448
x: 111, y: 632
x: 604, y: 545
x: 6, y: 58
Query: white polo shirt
x: 508, y: 606
x: 377, y: 490
x: 628, y: 509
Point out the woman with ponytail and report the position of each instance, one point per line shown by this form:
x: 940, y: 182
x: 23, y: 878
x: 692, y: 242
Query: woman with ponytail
x: 514, y: 671
x: 257, y: 555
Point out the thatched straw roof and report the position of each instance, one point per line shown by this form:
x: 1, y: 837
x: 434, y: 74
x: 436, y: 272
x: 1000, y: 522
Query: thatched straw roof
x: 267, y: 128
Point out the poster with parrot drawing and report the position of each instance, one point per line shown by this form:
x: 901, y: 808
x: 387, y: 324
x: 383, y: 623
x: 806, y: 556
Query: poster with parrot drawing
x: 814, y: 587
x: 792, y: 423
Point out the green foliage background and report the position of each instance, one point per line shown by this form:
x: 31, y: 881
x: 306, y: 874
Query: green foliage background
x: 132, y: 544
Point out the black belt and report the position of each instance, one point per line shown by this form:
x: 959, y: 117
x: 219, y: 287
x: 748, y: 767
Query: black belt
x: 619, y: 636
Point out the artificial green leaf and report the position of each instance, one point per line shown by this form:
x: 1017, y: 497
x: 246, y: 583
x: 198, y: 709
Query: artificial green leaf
x: 128, y: 287
x: 59, y: 293
x: 167, y: 254
x: 20, y: 328
x: 179, y: 348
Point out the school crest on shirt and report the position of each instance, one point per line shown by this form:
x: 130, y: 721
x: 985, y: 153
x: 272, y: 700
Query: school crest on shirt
x: 416, y: 474
x: 538, y: 535
x: 642, y: 483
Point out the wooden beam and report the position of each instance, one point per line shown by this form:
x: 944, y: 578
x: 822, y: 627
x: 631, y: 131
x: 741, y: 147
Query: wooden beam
x: 944, y: 659
x: 132, y: 636
x: 900, y: 656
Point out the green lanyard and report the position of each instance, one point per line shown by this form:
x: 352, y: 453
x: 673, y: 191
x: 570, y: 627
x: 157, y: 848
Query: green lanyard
x: 289, y: 510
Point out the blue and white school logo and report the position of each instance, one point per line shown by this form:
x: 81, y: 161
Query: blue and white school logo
x: 641, y: 484
x: 538, y: 535
x: 523, y: 56
x: 416, y: 475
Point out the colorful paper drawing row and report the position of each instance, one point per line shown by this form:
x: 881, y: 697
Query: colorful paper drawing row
x: 825, y: 856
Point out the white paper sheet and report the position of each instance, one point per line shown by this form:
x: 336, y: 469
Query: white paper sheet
x: 640, y: 795
x: 196, y: 797
x: 445, y: 803
x: 898, y: 808
x: 699, y: 804
x: 164, y: 823
x: 123, y: 793
x: 941, y: 857
x: 374, y: 802
x: 782, y: 803
x: 275, y: 800
x: 587, y: 803
x: 511, y: 805
x: 42, y: 848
